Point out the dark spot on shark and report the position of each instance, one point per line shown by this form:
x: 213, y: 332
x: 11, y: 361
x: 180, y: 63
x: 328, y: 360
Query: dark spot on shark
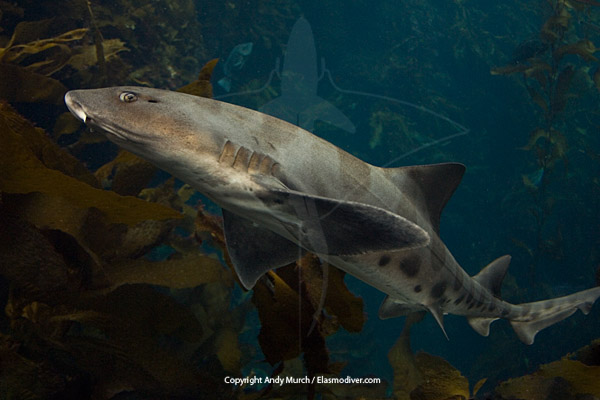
x: 548, y: 304
x: 492, y: 307
x: 418, y: 288
x: 470, y: 306
x: 438, y: 290
x: 384, y: 260
x: 459, y: 300
x: 410, y: 266
x: 478, y: 303
x: 255, y: 139
x: 505, y: 312
x: 525, y: 309
x: 271, y: 145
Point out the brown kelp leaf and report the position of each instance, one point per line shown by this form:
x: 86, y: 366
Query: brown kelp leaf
x: 31, y: 263
x: 284, y: 333
x: 141, y: 311
x: 554, y: 137
x: 127, y: 174
x: 478, y: 386
x: 407, y: 375
x: 228, y: 350
x: 555, y: 26
x: 17, y: 50
x: 87, y: 55
x: 561, y: 95
x: 188, y: 271
x: 529, y: 387
x: 584, y: 379
x: 584, y: 48
x: 57, y: 215
x: 211, y: 225
x: 279, y: 332
x: 440, y: 380
x: 25, y: 171
x: 537, y: 98
x: 20, y: 131
x: 534, y: 136
x: 21, y: 86
x: 590, y: 354
x: 66, y: 124
x: 202, y: 86
x: 339, y: 301
x: 539, y: 71
x: 23, y: 378
x: 580, y: 5
x: 152, y: 312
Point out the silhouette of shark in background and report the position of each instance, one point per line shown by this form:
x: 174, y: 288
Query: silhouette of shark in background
x: 299, y: 103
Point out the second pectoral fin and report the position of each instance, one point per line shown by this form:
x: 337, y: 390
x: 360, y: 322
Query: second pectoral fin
x: 254, y: 250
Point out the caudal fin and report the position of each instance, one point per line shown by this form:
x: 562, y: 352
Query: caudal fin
x: 541, y: 314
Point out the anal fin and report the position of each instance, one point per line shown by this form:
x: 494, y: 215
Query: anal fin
x: 481, y: 324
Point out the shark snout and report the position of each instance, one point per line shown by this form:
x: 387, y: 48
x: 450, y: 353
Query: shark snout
x: 74, y: 106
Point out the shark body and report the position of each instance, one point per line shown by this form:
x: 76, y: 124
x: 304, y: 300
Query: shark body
x: 283, y: 189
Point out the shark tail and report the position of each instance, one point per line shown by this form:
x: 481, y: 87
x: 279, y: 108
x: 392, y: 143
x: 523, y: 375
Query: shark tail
x: 538, y: 315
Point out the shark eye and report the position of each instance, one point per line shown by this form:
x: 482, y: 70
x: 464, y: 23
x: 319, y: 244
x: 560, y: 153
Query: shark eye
x: 128, y: 97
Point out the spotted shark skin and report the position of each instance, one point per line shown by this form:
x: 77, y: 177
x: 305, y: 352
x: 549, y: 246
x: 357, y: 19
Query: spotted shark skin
x: 284, y: 191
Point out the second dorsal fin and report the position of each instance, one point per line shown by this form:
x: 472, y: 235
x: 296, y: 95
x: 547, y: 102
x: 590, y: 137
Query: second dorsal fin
x: 492, y: 275
x: 428, y: 186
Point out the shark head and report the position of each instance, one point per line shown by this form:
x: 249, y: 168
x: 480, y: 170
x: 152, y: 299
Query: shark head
x: 133, y: 117
x: 160, y: 126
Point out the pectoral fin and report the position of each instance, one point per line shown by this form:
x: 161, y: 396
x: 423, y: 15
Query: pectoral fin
x: 341, y: 228
x: 255, y: 250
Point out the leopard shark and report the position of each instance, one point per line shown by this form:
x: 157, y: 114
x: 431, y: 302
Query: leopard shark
x: 284, y: 191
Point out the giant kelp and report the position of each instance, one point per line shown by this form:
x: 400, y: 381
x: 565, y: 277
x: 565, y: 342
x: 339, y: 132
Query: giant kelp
x: 572, y: 377
x: 33, y: 164
x: 423, y: 376
x: 549, y: 66
x: 78, y: 289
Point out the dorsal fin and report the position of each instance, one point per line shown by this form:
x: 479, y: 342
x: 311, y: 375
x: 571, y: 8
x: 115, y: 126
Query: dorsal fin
x: 429, y: 186
x: 492, y: 275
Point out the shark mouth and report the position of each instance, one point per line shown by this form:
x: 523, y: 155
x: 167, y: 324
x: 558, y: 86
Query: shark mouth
x: 75, y: 108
